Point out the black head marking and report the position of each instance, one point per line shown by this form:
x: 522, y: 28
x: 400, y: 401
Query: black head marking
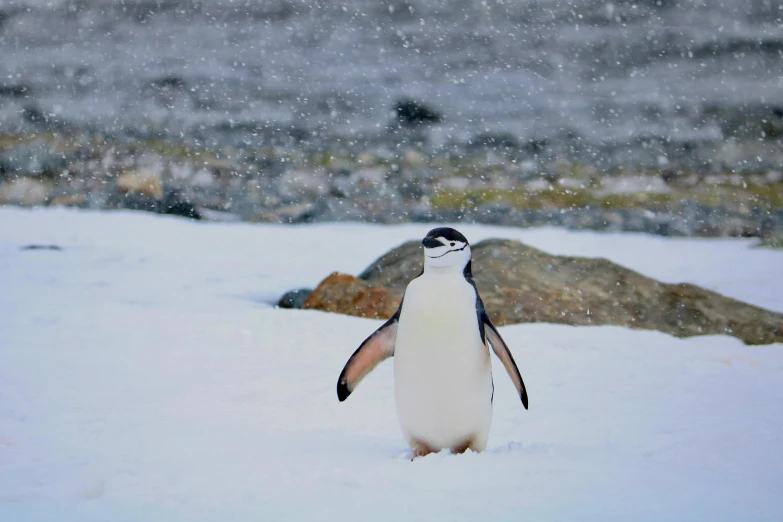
x: 447, y: 233
x: 431, y: 242
x: 450, y: 251
x: 480, y: 311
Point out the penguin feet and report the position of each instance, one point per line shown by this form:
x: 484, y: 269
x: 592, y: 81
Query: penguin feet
x: 419, y: 449
x: 463, y: 446
x: 422, y: 449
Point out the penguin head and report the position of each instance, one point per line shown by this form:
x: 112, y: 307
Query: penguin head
x: 445, y: 247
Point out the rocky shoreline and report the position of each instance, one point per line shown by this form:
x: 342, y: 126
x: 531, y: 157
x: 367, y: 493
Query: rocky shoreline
x: 494, y: 184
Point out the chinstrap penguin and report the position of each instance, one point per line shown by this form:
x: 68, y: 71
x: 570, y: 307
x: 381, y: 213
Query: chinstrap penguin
x: 440, y: 338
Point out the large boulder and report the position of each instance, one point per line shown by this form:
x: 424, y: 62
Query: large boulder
x: 520, y: 284
x: 346, y: 294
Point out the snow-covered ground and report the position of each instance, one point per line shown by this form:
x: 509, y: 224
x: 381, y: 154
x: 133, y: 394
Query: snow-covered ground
x: 144, y: 376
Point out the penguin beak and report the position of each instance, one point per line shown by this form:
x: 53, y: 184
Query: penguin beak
x: 431, y: 242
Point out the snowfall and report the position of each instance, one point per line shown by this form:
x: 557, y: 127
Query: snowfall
x: 146, y: 375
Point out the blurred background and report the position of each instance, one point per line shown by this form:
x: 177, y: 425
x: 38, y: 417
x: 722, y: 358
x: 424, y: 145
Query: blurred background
x: 659, y: 116
x: 148, y: 371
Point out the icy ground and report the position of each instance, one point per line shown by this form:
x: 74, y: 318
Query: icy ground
x: 144, y: 376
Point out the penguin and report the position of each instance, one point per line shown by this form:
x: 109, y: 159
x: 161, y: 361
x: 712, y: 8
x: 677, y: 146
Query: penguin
x: 440, y: 338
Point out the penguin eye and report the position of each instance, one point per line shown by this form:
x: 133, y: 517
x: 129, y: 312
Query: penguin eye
x: 452, y: 243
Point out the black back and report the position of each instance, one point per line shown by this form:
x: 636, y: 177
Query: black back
x: 481, y: 314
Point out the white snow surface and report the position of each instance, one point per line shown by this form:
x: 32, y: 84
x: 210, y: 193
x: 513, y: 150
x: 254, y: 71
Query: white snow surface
x: 145, y: 376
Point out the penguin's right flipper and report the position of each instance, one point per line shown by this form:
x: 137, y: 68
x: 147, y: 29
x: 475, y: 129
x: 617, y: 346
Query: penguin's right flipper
x: 375, y: 349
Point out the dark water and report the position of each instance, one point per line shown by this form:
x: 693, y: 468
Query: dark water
x: 584, y: 75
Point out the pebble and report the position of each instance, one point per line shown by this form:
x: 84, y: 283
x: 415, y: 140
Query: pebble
x: 33, y: 159
x: 299, y: 213
x: 294, y: 298
x: 144, y: 182
x: 296, y: 185
x: 25, y: 191
x: 70, y: 200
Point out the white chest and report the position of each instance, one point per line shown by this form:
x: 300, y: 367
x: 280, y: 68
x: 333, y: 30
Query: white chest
x: 438, y: 316
x: 442, y: 372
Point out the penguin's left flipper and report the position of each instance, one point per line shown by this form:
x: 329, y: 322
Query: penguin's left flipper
x: 375, y: 349
x: 504, y: 354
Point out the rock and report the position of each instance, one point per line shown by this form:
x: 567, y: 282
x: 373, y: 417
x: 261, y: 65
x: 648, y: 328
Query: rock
x: 344, y: 187
x: 771, y: 224
x: 409, y: 190
x: 775, y: 242
x: 202, y: 179
x: 4, y: 16
x: 369, y: 176
x: 520, y: 284
x: 144, y: 182
x: 365, y: 158
x: 639, y: 185
x: 493, y: 211
x: 295, y: 298
x: 494, y: 140
x: 42, y: 121
x: 412, y: 113
x: 175, y: 204
x: 299, y: 185
x: 133, y: 201
x: 14, y: 90
x: 341, y: 209
x: 345, y: 294
x: 302, y: 213
x: 366, y: 182
x: 453, y: 183
x: 538, y: 185
x: 33, y: 158
x: 367, y: 188
x: 68, y: 200
x: 209, y: 214
x: 25, y: 191
x: 773, y: 176
x: 264, y: 216
x: 181, y: 172
x: 414, y: 159
x: 168, y: 83
x: 55, y: 248
x: 535, y: 146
